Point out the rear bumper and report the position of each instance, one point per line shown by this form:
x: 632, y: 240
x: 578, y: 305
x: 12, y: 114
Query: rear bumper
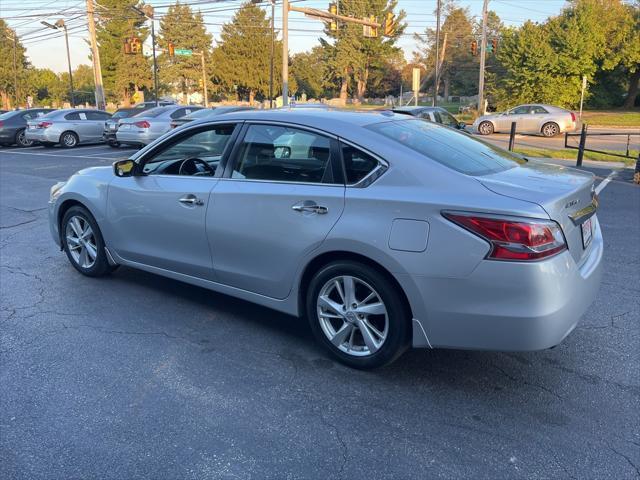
x: 109, y: 136
x: 509, y: 305
x: 7, y: 135
x: 138, y: 137
x: 42, y: 135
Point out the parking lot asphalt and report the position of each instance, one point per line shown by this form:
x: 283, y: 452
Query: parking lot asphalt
x: 137, y: 376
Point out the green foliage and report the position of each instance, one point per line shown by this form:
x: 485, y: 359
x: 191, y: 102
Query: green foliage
x: 186, y: 30
x: 309, y: 70
x: 122, y: 74
x: 242, y: 58
x: 7, y: 72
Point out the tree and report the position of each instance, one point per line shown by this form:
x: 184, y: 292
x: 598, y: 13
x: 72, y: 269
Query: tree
x: 309, y: 69
x: 350, y: 55
x: 45, y: 87
x: 185, y: 30
x: 122, y: 74
x: 8, y: 74
x: 242, y: 58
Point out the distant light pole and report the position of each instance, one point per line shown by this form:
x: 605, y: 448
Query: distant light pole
x: 14, y: 38
x: 434, y: 102
x: 147, y: 12
x: 273, y: 42
x: 61, y: 25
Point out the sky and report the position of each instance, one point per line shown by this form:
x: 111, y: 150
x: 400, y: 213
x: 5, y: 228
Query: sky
x: 46, y: 48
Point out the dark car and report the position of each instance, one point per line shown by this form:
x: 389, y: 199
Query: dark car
x: 432, y: 114
x: 206, y: 113
x: 111, y: 125
x: 14, y: 123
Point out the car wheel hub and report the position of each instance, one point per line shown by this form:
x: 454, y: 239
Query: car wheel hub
x: 81, y: 242
x: 352, y: 315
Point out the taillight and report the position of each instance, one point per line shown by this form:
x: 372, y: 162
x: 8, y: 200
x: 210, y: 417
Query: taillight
x: 173, y: 125
x: 44, y: 124
x: 521, y: 240
x: 142, y: 124
x: 573, y: 117
x: 1, y: 124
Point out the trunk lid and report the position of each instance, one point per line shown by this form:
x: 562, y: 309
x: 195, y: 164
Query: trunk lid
x: 562, y: 192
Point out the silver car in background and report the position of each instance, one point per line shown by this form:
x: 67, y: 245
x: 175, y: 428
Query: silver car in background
x: 67, y: 127
x: 149, y: 125
x: 536, y: 119
x: 383, y: 230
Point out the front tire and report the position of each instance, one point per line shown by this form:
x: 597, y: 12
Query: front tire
x: 21, y: 139
x: 550, y: 129
x: 68, y: 140
x: 113, y: 144
x: 485, y: 128
x: 82, y: 242
x: 357, y: 314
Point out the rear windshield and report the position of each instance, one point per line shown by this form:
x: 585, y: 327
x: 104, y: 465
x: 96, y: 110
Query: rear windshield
x: 154, y: 112
x: 122, y: 114
x: 202, y: 113
x: 8, y: 114
x: 456, y: 150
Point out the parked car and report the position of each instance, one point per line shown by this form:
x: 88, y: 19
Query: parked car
x: 111, y: 125
x: 383, y: 230
x: 68, y: 127
x: 206, y: 113
x: 536, y: 119
x: 14, y: 123
x: 144, y: 128
x: 432, y: 114
x: 152, y: 104
x: 309, y: 105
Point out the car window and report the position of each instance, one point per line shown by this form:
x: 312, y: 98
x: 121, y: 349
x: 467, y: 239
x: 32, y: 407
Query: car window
x: 179, y: 113
x: 357, y: 164
x: 151, y: 113
x: 449, y: 120
x: 201, y: 113
x: 278, y: 153
x: 455, y: 150
x: 426, y: 116
x: 73, y: 116
x: 207, y: 145
x: 121, y: 114
x: 520, y: 110
x: 538, y: 109
x: 98, y: 116
x: 32, y: 115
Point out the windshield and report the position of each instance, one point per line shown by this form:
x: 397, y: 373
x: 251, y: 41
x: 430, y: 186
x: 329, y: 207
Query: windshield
x: 458, y: 151
x: 8, y: 114
x: 205, y: 112
x: 154, y: 112
x: 121, y: 114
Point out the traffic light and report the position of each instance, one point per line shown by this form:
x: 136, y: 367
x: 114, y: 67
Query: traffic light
x: 369, y: 31
x: 132, y: 46
x: 474, y: 48
x: 333, y: 10
x: 389, y: 24
x: 172, y: 49
x: 200, y: 84
x: 127, y: 47
x: 494, y: 44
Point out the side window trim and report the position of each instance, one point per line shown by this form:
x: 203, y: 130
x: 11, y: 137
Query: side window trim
x: 373, y: 175
x: 148, y: 155
x: 335, y: 162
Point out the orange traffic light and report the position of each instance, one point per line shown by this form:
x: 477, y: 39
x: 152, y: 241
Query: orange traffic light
x: 333, y: 10
x: 494, y: 44
x: 474, y: 48
x: 389, y: 24
x: 172, y: 49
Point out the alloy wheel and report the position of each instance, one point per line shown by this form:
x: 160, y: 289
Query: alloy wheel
x: 352, y: 315
x: 550, y: 130
x: 69, y: 140
x: 81, y: 241
x: 22, y: 140
x: 486, y: 128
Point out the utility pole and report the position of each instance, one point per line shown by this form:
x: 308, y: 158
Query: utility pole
x: 434, y: 102
x: 273, y: 45
x: 204, y: 81
x: 285, y: 53
x: 483, y: 51
x: 147, y: 12
x: 95, y: 54
x: 61, y: 25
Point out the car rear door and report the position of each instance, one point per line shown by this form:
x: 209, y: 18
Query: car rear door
x: 281, y: 194
x: 95, y: 124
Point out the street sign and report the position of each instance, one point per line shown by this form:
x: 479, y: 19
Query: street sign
x: 183, y: 51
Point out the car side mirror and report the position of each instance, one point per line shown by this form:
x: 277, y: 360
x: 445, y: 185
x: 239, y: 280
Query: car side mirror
x: 124, y: 168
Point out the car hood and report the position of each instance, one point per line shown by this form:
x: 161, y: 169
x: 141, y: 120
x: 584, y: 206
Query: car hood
x: 560, y: 191
x: 100, y: 172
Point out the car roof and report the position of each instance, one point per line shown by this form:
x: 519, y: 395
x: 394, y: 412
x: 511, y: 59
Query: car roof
x: 413, y: 108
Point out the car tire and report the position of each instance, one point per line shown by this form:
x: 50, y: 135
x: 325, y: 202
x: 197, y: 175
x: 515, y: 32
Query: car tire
x: 83, y: 243
x: 48, y: 144
x: 550, y: 129
x: 341, y: 333
x: 114, y: 144
x: 21, y: 139
x: 69, y: 140
x: 485, y: 128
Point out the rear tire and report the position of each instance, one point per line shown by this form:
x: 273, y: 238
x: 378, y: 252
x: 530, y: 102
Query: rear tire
x: 550, y: 129
x: 21, y: 139
x: 113, y: 144
x: 82, y: 242
x: 68, y: 140
x: 365, y: 329
x: 485, y: 128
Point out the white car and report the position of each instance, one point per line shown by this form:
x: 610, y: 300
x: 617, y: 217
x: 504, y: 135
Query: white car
x: 536, y: 118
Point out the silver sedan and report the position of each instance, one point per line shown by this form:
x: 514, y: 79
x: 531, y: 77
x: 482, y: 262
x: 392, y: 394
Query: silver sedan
x: 68, y: 127
x: 536, y: 119
x: 149, y: 125
x: 384, y: 231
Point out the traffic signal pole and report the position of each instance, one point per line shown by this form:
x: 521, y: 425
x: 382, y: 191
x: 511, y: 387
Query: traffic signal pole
x: 95, y: 55
x: 155, y: 61
x: 285, y: 53
x: 434, y: 102
x: 483, y: 52
x: 204, y: 80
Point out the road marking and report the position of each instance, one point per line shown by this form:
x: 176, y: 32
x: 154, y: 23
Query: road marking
x: 606, y: 181
x: 60, y: 156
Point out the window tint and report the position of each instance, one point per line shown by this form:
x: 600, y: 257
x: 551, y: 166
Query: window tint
x: 537, y: 109
x: 180, y: 112
x: 520, y: 110
x: 207, y: 145
x: 426, y: 116
x: 455, y: 150
x: 120, y: 114
x: 98, y: 116
x: 72, y: 116
x: 151, y: 113
x: 271, y: 152
x: 202, y: 113
x: 357, y: 164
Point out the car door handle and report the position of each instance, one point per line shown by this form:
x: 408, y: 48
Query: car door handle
x: 191, y: 200
x: 310, y: 207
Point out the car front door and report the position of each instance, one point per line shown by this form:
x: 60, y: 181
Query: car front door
x: 158, y: 217
x: 280, y: 196
x: 517, y: 114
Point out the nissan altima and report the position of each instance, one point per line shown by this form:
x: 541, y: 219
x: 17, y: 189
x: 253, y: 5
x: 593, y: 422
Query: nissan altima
x: 382, y: 230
